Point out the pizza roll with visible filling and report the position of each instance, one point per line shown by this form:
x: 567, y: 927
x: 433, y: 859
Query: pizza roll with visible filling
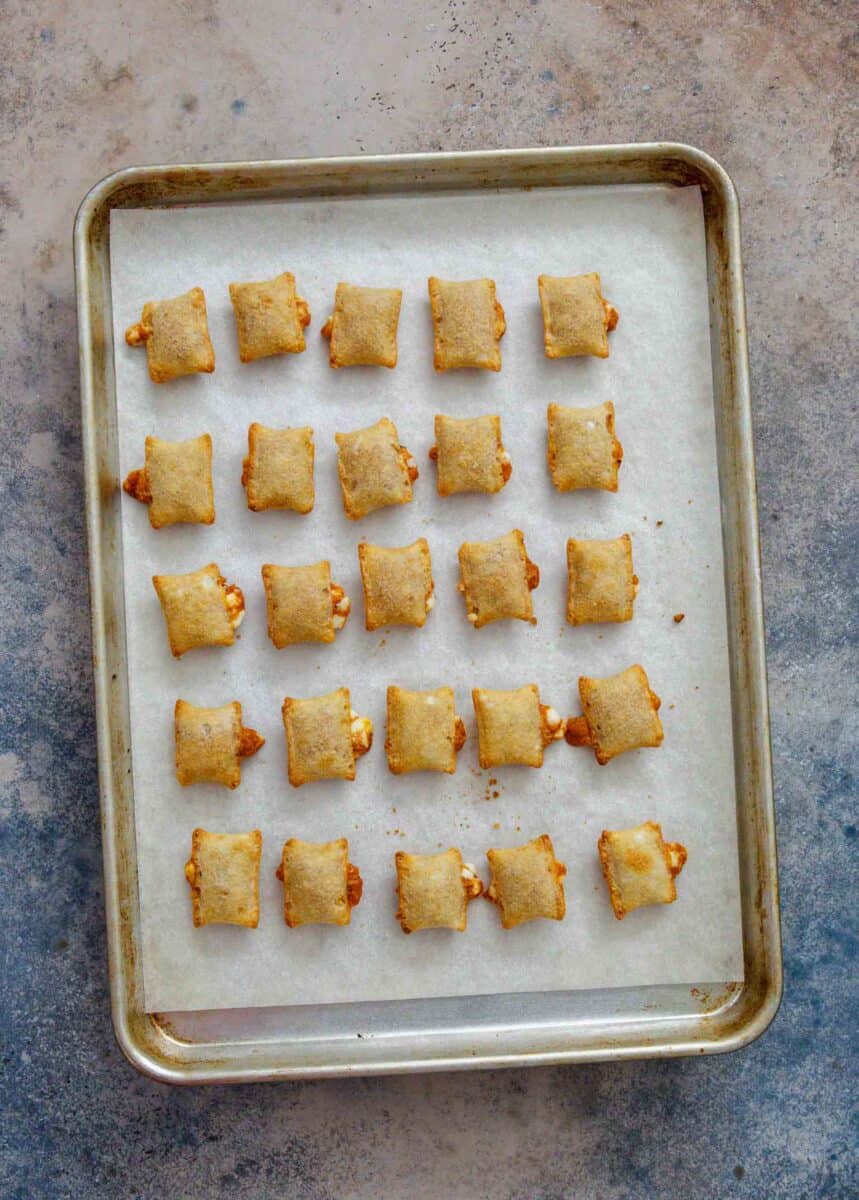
x: 496, y: 579
x: 469, y: 455
x: 576, y: 318
x: 200, y: 608
x: 176, y: 335
x: 601, y: 583
x: 270, y: 317
x: 320, y: 885
x: 362, y: 330
x: 324, y: 737
x: 639, y: 867
x: 223, y: 872
x: 303, y: 604
x: 375, y: 470
x: 424, y: 731
x: 514, y: 728
x: 526, y: 883
x: 176, y: 482
x: 468, y: 324
x: 398, y: 583
x: 278, y: 471
x: 434, y: 890
x: 211, y: 743
x: 583, y: 451
x: 620, y: 713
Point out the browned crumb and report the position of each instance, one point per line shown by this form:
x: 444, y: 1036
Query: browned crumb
x: 659, y: 524
x: 354, y: 885
x: 678, y: 617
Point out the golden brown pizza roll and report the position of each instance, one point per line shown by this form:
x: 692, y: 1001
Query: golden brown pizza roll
x: 620, y: 713
x: 601, y: 582
x: 176, y: 482
x: 583, y: 451
x: 223, y: 872
x: 469, y: 455
x: 468, y: 324
x: 496, y: 579
x: 303, y: 604
x: 375, y: 470
x: 434, y: 890
x: 424, y: 731
x: 398, y: 584
x: 320, y: 885
x: 576, y: 318
x: 324, y: 737
x: 278, y: 471
x: 639, y: 867
x: 526, y: 883
x: 176, y: 335
x: 211, y: 743
x: 200, y: 608
x: 270, y: 317
x: 514, y: 727
x: 362, y: 330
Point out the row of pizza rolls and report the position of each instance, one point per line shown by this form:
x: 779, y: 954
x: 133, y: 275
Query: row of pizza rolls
x: 375, y: 471
x: 468, y: 324
x: 325, y: 736
x: 321, y: 886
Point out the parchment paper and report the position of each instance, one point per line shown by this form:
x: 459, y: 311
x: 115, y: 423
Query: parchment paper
x: 648, y: 245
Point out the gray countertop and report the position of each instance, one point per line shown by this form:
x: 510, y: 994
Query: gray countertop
x: 767, y: 89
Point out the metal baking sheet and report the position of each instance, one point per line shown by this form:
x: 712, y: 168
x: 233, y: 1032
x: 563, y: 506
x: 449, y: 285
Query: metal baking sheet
x: 385, y: 1035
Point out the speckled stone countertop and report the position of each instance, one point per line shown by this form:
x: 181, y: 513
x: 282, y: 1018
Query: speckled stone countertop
x: 766, y: 87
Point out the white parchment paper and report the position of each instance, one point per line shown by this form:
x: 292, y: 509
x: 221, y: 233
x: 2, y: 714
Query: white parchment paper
x: 648, y: 245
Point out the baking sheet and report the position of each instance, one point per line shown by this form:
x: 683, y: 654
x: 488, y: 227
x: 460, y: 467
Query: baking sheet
x: 648, y: 244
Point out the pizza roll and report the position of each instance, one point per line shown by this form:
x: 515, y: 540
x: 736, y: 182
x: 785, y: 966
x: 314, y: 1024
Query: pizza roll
x: 176, y: 482
x: 278, y: 471
x: 496, y: 579
x: 583, y: 451
x: 200, y: 608
x: 398, y: 583
x: 620, y: 713
x: 270, y: 317
x: 176, y: 335
x: 434, y: 890
x: 601, y: 582
x: 223, y: 872
x: 639, y: 867
x: 468, y: 324
x: 375, y: 470
x: 303, y: 604
x: 576, y: 318
x: 362, y: 330
x: 211, y: 743
x: 324, y: 736
x: 514, y: 727
x: 424, y: 731
x: 320, y: 885
x: 469, y: 455
x: 526, y: 883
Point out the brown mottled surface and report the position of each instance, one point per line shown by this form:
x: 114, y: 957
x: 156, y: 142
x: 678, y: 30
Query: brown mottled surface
x: 769, y: 89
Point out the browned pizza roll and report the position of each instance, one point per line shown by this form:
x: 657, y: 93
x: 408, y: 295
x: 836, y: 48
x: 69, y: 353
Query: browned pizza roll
x: 362, y: 330
x: 639, y: 867
x: 434, y: 890
x: 211, y: 743
x: 576, y: 318
x: 278, y: 471
x: 270, y: 317
x: 375, y: 470
x: 324, y: 737
x: 469, y: 455
x: 303, y: 604
x: 468, y: 324
x: 526, y: 883
x: 496, y: 579
x: 320, y: 885
x: 620, y: 713
x: 424, y: 731
x: 200, y: 609
x: 514, y: 727
x: 223, y: 872
x: 175, y: 482
x: 398, y: 583
x: 583, y: 451
x: 601, y: 585
x: 176, y: 335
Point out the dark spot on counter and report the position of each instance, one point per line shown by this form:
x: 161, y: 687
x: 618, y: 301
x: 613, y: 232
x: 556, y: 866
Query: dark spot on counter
x: 238, y: 107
